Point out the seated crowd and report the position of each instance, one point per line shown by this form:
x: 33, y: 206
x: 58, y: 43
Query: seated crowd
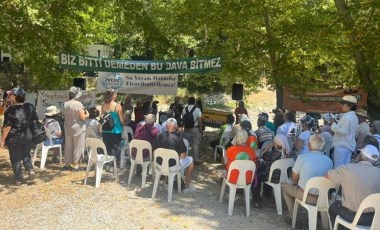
x: 345, y: 149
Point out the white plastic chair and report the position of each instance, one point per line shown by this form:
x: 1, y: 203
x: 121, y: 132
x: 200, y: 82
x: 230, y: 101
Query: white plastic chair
x: 371, y: 201
x: 323, y: 185
x: 283, y: 165
x: 243, y: 166
x: 140, y: 145
x: 92, y: 146
x: 166, y: 155
x: 123, y: 154
x: 45, y: 149
x: 222, y: 142
x: 90, y: 133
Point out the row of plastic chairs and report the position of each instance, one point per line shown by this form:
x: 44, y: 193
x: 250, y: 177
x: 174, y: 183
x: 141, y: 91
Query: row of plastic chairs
x: 93, y: 144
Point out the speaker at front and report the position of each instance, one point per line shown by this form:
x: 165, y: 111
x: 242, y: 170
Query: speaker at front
x: 237, y: 92
x: 80, y: 82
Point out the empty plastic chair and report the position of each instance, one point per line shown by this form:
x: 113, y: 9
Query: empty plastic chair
x: 140, y: 145
x: 222, y: 142
x: 125, y: 151
x: 371, y: 201
x: 323, y: 185
x: 164, y: 169
x: 45, y: 149
x: 92, y: 146
x: 283, y: 165
x: 246, y: 170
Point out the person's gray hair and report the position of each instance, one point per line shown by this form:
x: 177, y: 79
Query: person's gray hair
x: 171, y: 121
x: 365, y: 158
x: 150, y: 118
x: 241, y: 137
x: 317, y: 142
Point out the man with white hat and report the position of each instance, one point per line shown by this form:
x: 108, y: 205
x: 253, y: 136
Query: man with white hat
x: 344, y: 131
x: 357, y: 180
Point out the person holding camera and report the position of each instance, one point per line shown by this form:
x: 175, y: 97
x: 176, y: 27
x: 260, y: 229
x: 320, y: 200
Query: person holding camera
x: 75, y: 115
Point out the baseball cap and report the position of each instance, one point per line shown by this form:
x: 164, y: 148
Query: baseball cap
x: 370, y: 152
x: 17, y: 92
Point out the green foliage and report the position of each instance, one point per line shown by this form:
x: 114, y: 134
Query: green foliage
x: 307, y: 45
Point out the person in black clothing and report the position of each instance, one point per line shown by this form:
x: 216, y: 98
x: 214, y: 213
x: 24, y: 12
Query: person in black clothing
x: 19, y: 121
x: 150, y: 106
x: 177, y: 107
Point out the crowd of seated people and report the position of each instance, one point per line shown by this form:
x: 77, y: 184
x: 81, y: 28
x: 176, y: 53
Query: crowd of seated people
x: 352, y: 138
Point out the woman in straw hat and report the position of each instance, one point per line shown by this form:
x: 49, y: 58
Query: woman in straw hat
x: 53, y: 126
x: 363, y: 127
x: 344, y: 131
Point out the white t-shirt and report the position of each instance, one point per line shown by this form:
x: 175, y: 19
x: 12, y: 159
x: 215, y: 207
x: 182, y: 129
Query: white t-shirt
x: 93, y: 124
x: 53, y: 127
x: 304, y: 136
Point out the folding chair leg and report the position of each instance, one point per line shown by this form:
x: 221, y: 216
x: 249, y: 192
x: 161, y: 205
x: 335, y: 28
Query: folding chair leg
x: 170, y: 187
x: 247, y: 191
x: 144, y: 173
x: 325, y: 220
x: 312, y: 220
x: 222, y: 191
x: 87, y: 172
x: 295, y: 210
x: 43, y: 157
x: 99, y: 171
x: 35, y: 154
x: 261, y: 190
x: 60, y: 155
x: 179, y: 178
x: 131, y: 172
x: 156, y: 180
x: 231, y: 200
x: 277, y: 197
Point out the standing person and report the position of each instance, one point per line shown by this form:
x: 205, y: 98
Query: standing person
x: 112, y: 138
x: 75, y: 115
x: 150, y: 106
x: 240, y: 110
x: 289, y: 125
x: 19, y: 120
x: 139, y: 112
x: 177, y: 107
x: 193, y: 126
x: 127, y: 105
x: 344, y: 132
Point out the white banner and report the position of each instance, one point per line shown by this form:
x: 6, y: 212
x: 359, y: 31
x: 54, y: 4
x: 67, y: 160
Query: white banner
x: 159, y: 84
x: 47, y: 98
x: 31, y: 98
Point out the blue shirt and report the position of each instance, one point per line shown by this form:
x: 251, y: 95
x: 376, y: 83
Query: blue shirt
x: 309, y: 165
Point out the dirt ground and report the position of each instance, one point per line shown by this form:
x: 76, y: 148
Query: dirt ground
x: 57, y: 199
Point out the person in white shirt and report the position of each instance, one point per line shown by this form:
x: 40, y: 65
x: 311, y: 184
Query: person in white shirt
x: 344, y: 132
x: 289, y: 126
x: 302, y: 142
x: 196, y: 131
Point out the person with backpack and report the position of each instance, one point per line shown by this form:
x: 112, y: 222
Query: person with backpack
x: 112, y: 123
x: 192, y: 117
x: 20, y: 119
